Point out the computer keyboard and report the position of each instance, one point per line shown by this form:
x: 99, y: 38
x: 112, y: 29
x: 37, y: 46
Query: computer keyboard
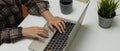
x: 58, y: 41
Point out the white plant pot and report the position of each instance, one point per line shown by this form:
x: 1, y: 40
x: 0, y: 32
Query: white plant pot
x: 105, y: 22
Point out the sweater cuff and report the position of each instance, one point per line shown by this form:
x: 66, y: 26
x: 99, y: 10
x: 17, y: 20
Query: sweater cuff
x: 20, y: 32
x: 17, y: 34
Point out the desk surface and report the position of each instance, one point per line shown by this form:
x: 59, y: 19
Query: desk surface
x: 92, y: 37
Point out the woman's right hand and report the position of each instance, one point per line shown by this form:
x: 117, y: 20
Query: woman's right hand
x: 35, y: 32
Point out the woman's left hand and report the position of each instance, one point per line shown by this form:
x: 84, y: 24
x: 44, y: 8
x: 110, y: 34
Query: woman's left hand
x: 58, y: 23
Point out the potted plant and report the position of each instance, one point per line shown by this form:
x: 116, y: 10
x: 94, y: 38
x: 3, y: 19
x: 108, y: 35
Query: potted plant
x: 107, y: 12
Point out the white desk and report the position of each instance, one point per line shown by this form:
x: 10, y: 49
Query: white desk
x: 92, y: 37
x: 40, y: 21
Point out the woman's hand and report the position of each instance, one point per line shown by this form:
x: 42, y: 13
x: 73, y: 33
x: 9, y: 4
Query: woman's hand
x: 58, y: 23
x: 35, y: 32
x: 54, y: 22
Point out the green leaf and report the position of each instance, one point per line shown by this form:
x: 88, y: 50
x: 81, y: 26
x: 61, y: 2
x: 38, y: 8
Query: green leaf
x: 106, y: 8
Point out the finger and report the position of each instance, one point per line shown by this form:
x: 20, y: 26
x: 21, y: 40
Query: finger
x: 43, y: 30
x: 58, y: 28
x: 39, y: 38
x: 64, y: 26
x: 61, y: 27
x: 51, y: 27
x: 63, y: 20
x: 42, y: 34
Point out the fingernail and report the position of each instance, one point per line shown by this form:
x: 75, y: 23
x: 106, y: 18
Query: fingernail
x: 60, y: 32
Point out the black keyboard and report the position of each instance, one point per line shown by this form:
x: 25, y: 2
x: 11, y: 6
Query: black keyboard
x: 58, y: 41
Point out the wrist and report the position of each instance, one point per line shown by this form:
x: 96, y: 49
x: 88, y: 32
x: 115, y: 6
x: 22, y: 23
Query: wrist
x: 23, y: 32
x: 47, y: 15
x: 50, y: 19
x: 20, y: 31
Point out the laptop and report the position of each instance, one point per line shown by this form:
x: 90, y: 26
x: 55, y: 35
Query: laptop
x: 59, y: 41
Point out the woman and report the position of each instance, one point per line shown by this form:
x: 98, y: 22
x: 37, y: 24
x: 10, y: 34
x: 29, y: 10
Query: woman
x: 11, y: 17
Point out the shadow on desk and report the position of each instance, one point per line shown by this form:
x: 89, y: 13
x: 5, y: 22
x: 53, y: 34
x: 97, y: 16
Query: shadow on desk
x: 79, y: 38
